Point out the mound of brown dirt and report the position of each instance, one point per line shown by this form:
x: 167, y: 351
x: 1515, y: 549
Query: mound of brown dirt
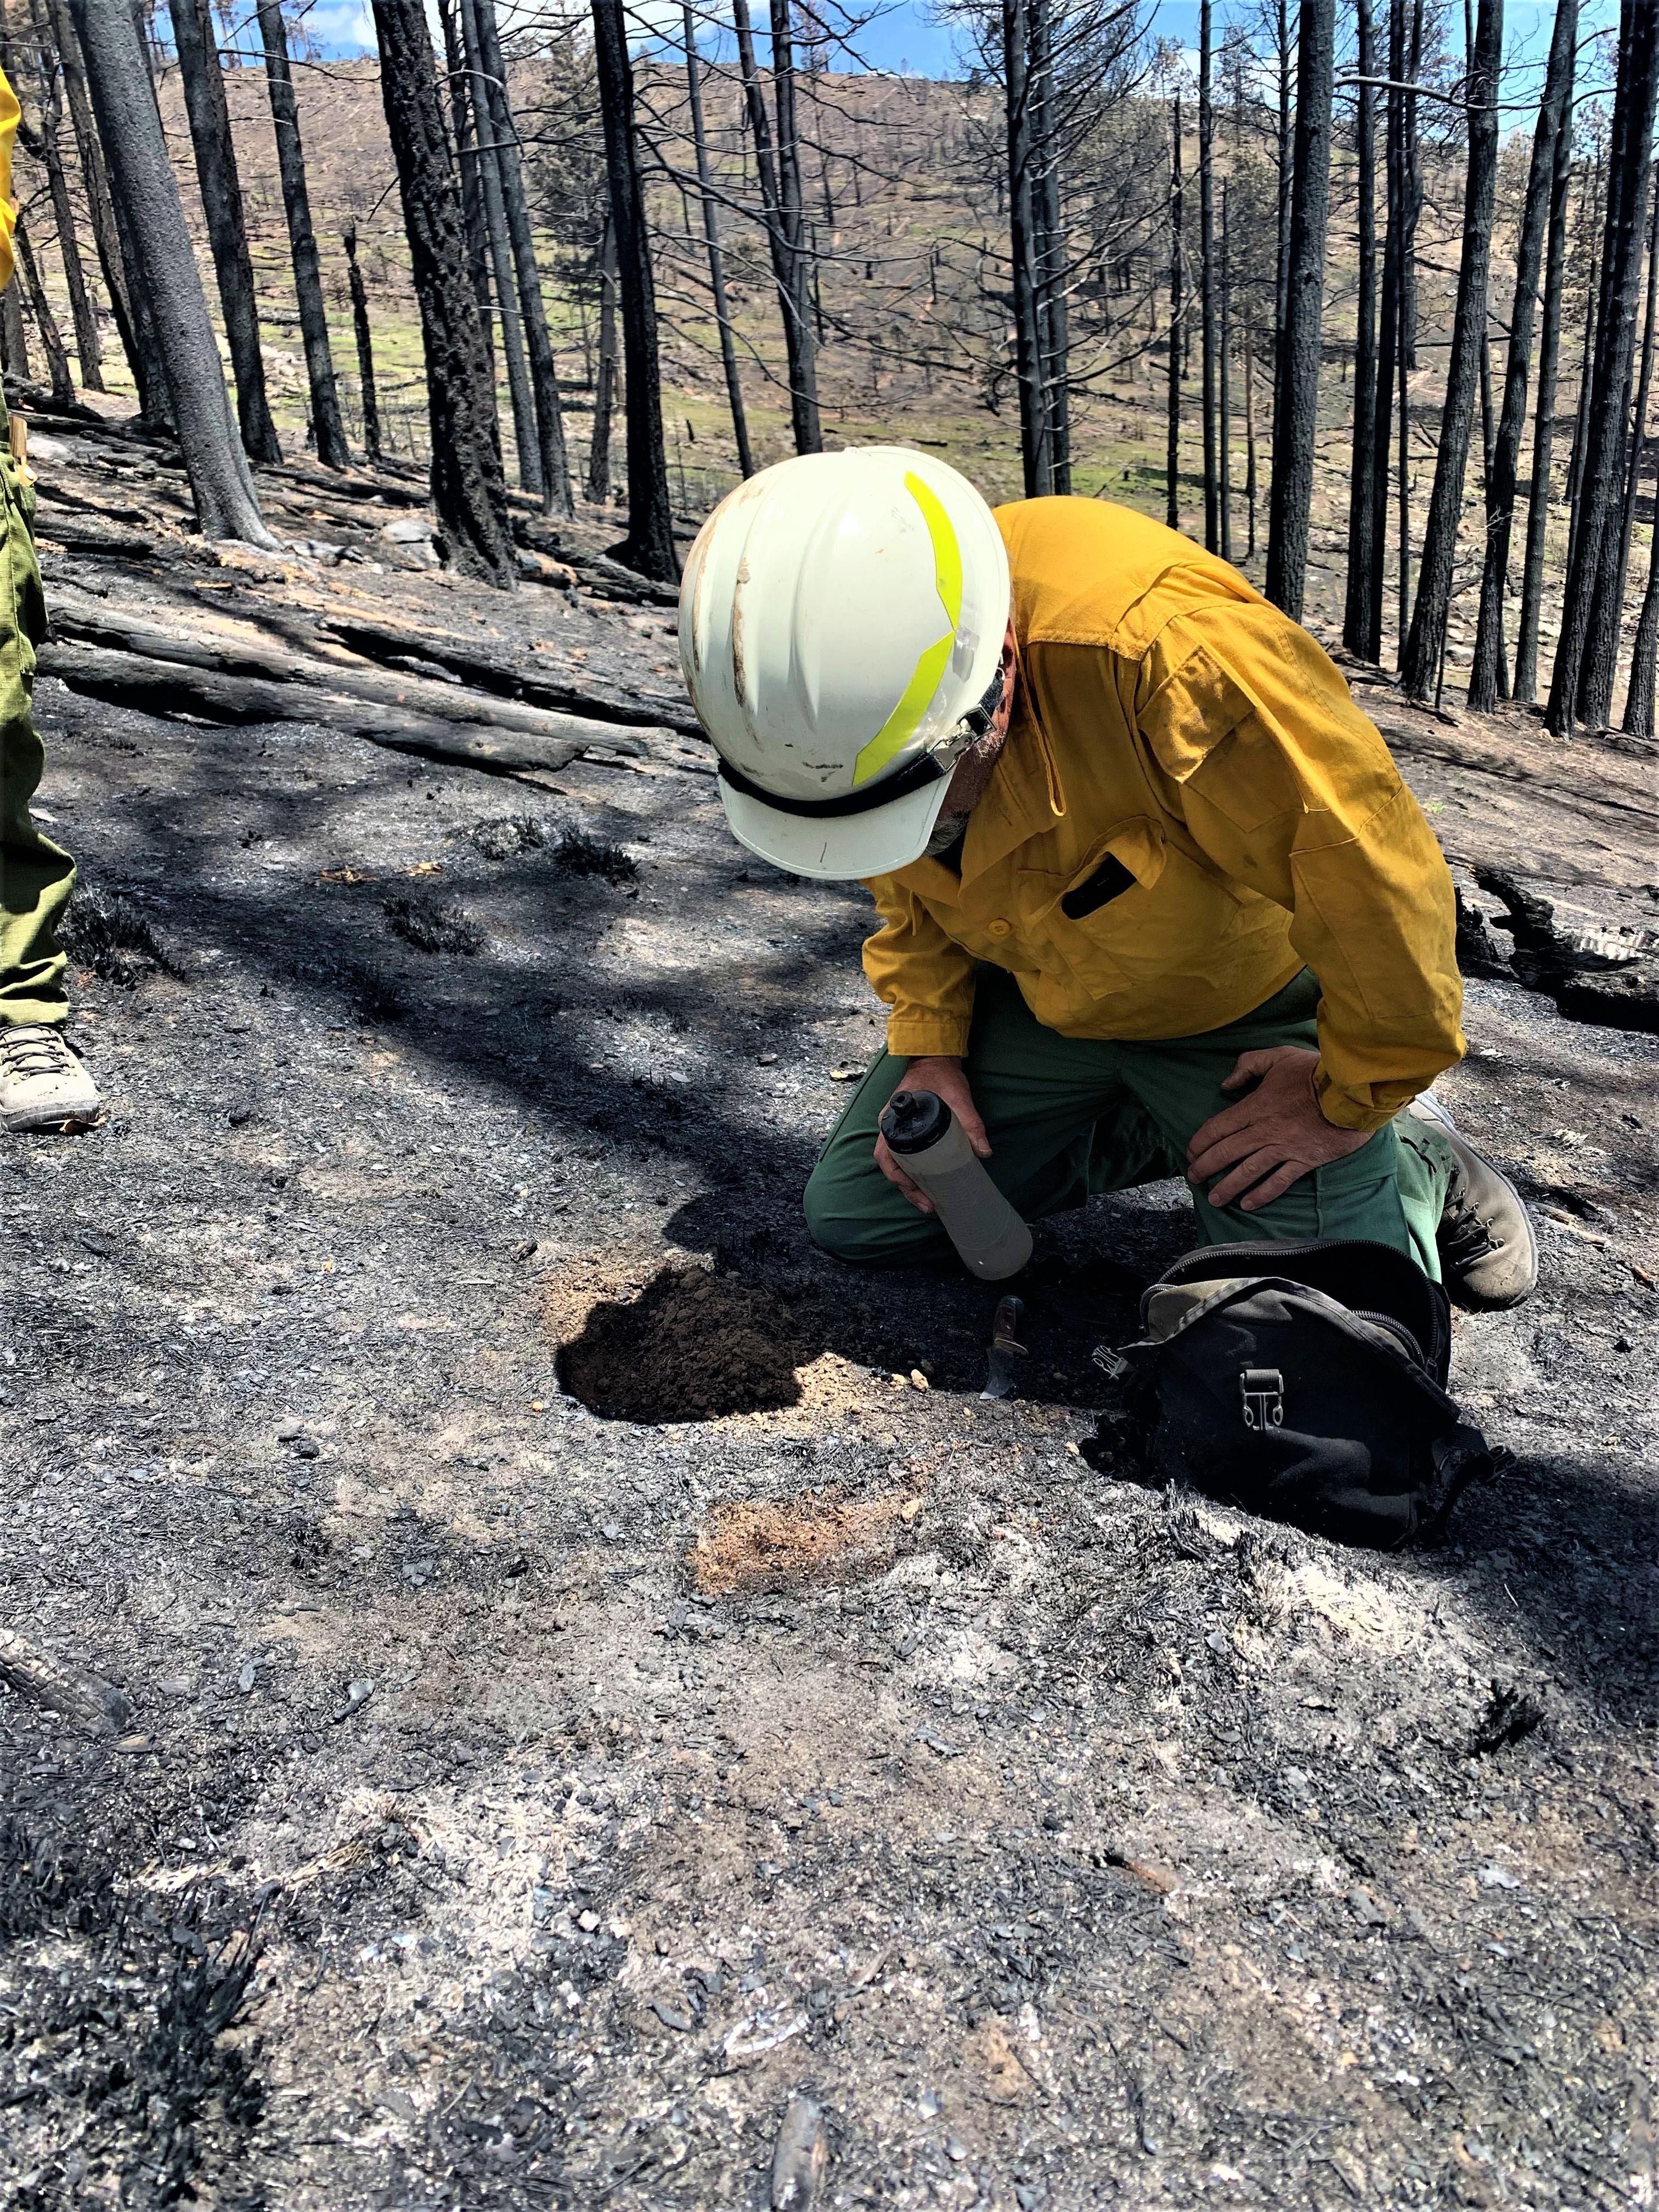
x: 690, y: 1346
x: 755, y: 1544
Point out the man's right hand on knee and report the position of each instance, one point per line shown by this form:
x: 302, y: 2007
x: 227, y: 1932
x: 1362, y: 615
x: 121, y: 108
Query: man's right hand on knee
x: 946, y: 1079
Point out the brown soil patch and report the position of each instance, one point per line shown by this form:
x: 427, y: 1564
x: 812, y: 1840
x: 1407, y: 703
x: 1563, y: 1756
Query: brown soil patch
x: 749, y: 1546
x: 687, y: 1347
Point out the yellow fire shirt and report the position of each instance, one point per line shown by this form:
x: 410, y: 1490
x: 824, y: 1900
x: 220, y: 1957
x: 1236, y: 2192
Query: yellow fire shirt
x: 1192, y: 757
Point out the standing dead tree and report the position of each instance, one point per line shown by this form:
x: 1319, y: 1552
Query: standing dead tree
x: 468, y: 489
x: 327, y: 425
x: 649, y: 546
x: 464, y: 138
x: 1422, y: 662
x: 500, y: 249
x: 1206, y: 311
x: 222, y: 201
x: 554, y: 462
x: 791, y: 279
x: 130, y: 126
x: 712, y: 237
x: 365, y: 347
x: 1593, y: 561
x: 1488, y: 677
x: 88, y: 345
x: 52, y: 339
x: 1036, y: 448
x: 107, y: 236
x: 604, y: 371
x: 1296, y: 402
x: 1364, y: 549
x: 1177, y: 319
x: 1607, y: 608
x: 1525, y: 686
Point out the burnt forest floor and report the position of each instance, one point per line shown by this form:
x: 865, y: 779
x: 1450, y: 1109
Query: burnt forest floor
x: 598, y: 1668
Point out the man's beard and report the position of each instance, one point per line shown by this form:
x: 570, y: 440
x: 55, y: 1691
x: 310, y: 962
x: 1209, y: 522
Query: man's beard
x: 946, y: 830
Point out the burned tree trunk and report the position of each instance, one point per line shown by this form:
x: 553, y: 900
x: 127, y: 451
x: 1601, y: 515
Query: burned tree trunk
x: 222, y: 201
x: 1177, y: 313
x: 501, y: 262
x: 797, y: 327
x: 1488, y: 672
x: 1621, y: 269
x: 1525, y: 686
x: 649, y: 546
x: 712, y: 239
x: 1249, y: 442
x: 1035, y: 450
x: 1295, y: 406
x: 791, y: 211
x: 1053, y: 331
x: 88, y: 346
x: 52, y: 339
x: 1607, y: 609
x: 331, y: 448
x: 1285, y: 50
x: 1645, y: 653
x: 532, y: 310
x: 1639, y: 435
x: 365, y: 350
x: 1207, y: 274
x: 107, y: 235
x: 468, y: 489
x: 1363, y: 545
x: 130, y: 126
x: 1425, y: 641
x: 462, y: 124
x: 604, y: 372
x: 1224, y: 386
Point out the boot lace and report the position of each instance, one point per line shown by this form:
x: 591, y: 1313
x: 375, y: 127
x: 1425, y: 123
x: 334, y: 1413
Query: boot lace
x: 33, y: 1050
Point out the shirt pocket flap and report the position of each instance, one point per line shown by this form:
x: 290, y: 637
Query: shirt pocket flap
x: 1130, y: 857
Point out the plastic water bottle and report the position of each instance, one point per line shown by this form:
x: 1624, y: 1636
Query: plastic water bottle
x: 932, y: 1147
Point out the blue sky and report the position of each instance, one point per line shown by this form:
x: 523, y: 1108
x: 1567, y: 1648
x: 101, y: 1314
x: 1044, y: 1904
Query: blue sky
x: 908, y: 36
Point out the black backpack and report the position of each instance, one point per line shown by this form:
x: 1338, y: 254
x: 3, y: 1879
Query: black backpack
x: 1315, y: 1394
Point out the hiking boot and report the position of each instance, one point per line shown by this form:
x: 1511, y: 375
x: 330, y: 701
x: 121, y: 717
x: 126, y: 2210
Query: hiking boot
x: 1488, y: 1253
x: 42, y: 1083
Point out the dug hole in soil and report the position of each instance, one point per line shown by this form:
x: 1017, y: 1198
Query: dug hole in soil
x: 595, y: 1674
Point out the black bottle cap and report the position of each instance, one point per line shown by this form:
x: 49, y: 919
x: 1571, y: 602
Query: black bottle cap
x: 912, y: 1120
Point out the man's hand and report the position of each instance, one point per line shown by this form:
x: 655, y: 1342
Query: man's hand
x: 1272, y: 1137
x: 947, y: 1080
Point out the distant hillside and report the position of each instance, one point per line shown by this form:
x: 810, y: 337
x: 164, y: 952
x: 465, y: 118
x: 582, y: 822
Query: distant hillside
x: 903, y: 189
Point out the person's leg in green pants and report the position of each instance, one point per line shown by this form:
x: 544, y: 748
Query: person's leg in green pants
x: 1070, y: 1116
x: 41, y: 1082
x: 36, y: 876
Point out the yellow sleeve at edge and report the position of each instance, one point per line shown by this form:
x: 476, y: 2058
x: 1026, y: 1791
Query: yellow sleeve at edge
x: 10, y: 116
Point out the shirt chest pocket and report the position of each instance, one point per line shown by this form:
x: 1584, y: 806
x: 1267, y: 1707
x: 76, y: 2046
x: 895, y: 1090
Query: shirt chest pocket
x: 1137, y: 909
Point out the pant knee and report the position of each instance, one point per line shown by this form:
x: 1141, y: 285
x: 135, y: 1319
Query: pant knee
x: 863, y: 1236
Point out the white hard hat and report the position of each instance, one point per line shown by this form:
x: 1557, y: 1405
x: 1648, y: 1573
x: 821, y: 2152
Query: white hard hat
x: 841, y: 620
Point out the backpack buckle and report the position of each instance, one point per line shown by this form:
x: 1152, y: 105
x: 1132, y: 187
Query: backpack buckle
x: 1262, y: 1389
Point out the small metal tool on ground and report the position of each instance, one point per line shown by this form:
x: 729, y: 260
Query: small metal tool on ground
x: 1005, y: 1347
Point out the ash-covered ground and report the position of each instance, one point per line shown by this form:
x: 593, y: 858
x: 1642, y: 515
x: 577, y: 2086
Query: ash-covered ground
x: 599, y: 1671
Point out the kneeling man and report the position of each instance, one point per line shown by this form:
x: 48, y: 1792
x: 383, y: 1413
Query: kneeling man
x: 1154, y: 898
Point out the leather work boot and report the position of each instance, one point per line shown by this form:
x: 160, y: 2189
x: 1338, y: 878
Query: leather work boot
x: 1488, y: 1253
x: 42, y: 1083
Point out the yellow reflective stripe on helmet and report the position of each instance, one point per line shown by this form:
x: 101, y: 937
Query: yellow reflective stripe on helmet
x: 900, y: 726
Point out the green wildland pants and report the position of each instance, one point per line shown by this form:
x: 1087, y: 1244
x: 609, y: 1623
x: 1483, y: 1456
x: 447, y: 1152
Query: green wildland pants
x: 1069, y: 1116
x: 36, y: 876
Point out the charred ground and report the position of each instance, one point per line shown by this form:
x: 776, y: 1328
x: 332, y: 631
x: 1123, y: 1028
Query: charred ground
x: 586, y: 1691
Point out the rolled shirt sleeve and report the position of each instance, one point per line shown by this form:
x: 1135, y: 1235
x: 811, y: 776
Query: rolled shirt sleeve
x: 1290, y: 790
x: 922, y: 976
